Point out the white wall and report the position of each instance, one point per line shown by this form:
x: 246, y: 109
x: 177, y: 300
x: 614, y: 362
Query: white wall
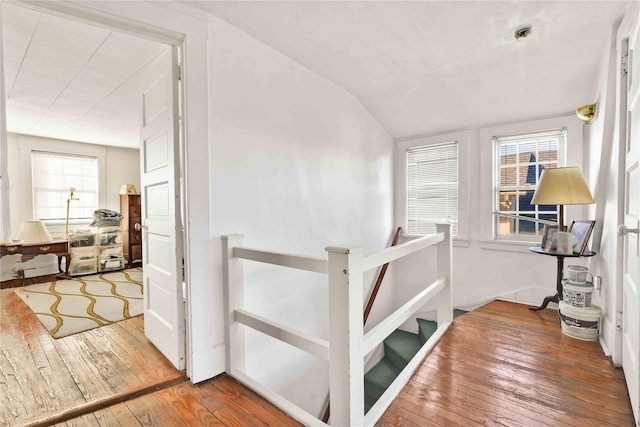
x: 297, y: 164
x: 117, y: 166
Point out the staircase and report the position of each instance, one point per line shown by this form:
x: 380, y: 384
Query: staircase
x: 399, y: 349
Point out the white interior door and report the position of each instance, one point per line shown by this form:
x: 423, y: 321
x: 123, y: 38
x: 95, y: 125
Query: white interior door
x: 629, y: 232
x: 161, y: 239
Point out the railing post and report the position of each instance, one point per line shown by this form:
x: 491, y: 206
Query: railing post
x: 233, y: 278
x: 445, y: 270
x: 346, y: 366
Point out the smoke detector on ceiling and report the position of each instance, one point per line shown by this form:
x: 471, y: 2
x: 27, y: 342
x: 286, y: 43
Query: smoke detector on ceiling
x: 523, y: 33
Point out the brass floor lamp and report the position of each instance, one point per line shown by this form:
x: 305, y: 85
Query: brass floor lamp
x: 71, y: 197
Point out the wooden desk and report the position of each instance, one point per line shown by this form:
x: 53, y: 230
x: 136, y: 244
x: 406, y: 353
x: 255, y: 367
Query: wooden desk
x: 28, y: 252
x: 560, y: 258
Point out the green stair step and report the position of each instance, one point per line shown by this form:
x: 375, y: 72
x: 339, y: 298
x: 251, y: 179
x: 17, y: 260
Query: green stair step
x: 368, y: 403
x: 400, y: 347
x: 378, y: 379
x: 458, y: 313
x: 426, y: 328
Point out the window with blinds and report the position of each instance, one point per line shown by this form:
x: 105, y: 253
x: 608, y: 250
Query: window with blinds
x: 53, y: 175
x: 518, y: 162
x: 432, y: 187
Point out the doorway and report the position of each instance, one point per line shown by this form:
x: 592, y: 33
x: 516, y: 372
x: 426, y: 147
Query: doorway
x: 110, y: 40
x: 169, y: 23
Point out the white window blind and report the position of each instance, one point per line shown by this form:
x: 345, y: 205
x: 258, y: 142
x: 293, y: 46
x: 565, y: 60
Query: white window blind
x: 432, y: 187
x: 53, y: 175
x: 519, y: 160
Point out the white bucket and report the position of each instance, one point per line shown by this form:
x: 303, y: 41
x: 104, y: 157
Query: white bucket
x: 580, y: 323
x: 577, y: 295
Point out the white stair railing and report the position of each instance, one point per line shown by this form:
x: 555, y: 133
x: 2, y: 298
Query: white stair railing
x: 347, y: 345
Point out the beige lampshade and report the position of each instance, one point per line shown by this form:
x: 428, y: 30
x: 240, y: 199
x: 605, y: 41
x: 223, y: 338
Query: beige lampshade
x: 562, y: 186
x: 128, y: 189
x: 33, y: 232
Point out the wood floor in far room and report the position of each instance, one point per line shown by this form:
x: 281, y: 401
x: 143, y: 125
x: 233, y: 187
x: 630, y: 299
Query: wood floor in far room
x: 503, y: 365
x: 41, y: 377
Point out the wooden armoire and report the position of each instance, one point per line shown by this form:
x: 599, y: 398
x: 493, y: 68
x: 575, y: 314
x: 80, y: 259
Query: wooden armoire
x: 130, y: 209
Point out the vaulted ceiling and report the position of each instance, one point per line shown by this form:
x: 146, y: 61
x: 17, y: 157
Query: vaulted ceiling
x: 419, y: 67
x: 429, y: 66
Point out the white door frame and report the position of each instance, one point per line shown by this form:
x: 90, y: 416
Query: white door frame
x: 5, y: 217
x: 627, y: 29
x: 167, y: 24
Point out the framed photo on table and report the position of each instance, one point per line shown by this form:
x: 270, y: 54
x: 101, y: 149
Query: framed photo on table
x: 550, y: 237
x: 580, y: 232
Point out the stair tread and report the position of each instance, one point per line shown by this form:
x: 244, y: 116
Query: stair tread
x: 383, y: 373
x: 426, y: 329
x: 400, y: 347
x: 378, y: 379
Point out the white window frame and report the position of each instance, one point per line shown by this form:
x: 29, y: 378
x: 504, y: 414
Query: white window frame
x: 560, y: 161
x: 574, y: 157
x: 79, y: 210
x: 27, y: 144
x: 402, y: 146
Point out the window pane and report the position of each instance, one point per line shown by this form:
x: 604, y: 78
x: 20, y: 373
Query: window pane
x: 520, y: 162
x: 52, y: 177
x: 432, y: 187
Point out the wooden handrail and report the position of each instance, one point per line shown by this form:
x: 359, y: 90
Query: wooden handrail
x: 367, y: 310
x: 376, y: 288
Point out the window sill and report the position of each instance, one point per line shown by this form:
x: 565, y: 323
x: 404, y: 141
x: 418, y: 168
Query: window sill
x: 507, y: 246
x: 458, y: 242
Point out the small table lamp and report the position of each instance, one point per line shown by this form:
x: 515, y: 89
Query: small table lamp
x: 562, y: 186
x: 32, y: 232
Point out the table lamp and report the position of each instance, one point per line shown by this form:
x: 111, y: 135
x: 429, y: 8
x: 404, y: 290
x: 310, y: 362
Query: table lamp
x: 32, y: 232
x: 562, y: 186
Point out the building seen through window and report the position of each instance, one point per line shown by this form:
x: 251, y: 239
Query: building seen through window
x: 518, y: 164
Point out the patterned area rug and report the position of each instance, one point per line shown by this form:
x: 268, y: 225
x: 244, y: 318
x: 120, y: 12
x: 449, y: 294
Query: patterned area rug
x: 66, y: 307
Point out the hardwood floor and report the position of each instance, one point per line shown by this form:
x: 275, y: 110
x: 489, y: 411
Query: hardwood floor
x: 109, y: 376
x: 500, y: 365
x: 504, y: 365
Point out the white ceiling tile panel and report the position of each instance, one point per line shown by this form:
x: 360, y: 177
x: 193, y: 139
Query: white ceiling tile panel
x: 11, y: 69
x: 37, y: 66
x: 34, y: 96
x: 39, y: 80
x: 106, y: 64
x: 27, y: 104
x: 48, y: 125
x: 62, y: 41
x: 97, y: 76
x: 29, y: 89
x: 55, y: 57
x: 58, y: 107
x: 79, y: 95
x: 95, y: 90
x: 20, y: 16
x: 20, y: 119
x: 62, y: 116
x: 13, y: 53
x: 115, y: 110
x: 15, y: 35
x: 75, y: 102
